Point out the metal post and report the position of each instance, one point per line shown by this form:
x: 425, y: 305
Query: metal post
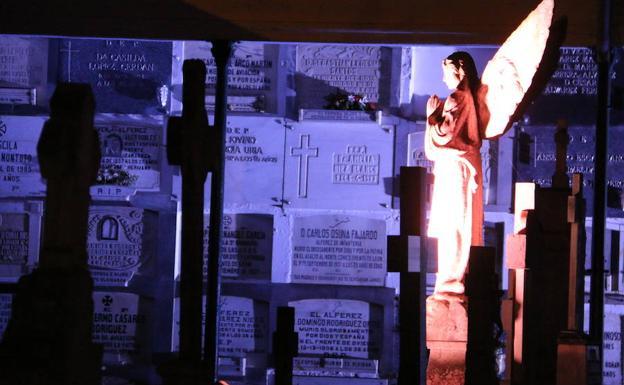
x: 596, y: 326
x: 221, y: 51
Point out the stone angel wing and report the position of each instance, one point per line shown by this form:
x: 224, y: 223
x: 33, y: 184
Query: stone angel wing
x: 519, y: 70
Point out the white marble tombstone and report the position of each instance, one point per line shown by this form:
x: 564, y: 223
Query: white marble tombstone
x: 339, y: 250
x: 120, y: 242
x: 131, y: 155
x: 338, y: 165
x: 19, y: 167
x: 120, y: 325
x: 23, y: 65
x: 338, y: 328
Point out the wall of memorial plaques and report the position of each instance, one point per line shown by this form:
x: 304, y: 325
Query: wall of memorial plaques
x: 311, y: 193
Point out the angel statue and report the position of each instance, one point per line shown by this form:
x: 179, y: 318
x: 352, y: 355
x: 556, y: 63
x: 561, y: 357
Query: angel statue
x: 479, y: 109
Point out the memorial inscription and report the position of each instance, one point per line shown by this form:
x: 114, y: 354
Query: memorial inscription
x: 24, y: 64
x: 127, y: 76
x: 19, y: 167
x: 115, y: 244
x: 254, y: 146
x: 14, y: 243
x: 338, y: 328
x: 6, y: 301
x: 130, y: 158
x: 349, y: 162
x: 326, y: 69
x: 339, y: 250
x: 246, y: 247
x: 118, y: 326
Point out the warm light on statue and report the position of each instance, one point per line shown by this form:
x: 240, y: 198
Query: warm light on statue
x: 476, y: 109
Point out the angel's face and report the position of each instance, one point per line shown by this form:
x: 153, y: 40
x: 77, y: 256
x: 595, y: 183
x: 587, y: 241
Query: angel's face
x: 451, y: 77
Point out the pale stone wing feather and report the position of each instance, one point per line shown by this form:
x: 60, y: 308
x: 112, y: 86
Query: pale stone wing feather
x: 508, y: 76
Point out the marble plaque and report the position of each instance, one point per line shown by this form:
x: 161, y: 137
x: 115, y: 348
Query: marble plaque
x: 24, y: 64
x: 19, y: 166
x: 540, y: 164
x: 243, y: 326
x: 327, y: 69
x: 612, y: 342
x: 339, y: 250
x: 131, y: 156
x: 246, y: 247
x: 338, y: 328
x: 254, y: 161
x: 14, y: 243
x: 127, y: 76
x: 252, y: 72
x: 119, y: 326
x: 6, y: 301
x: 336, y: 165
x: 120, y: 242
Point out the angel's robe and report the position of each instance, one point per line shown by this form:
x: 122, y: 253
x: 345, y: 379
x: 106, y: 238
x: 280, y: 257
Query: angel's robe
x: 452, y: 142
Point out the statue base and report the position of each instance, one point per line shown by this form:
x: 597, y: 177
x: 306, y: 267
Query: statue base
x: 447, y: 338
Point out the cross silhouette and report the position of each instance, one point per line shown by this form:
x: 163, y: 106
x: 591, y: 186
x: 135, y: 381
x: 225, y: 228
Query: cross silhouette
x: 303, y: 152
x: 68, y: 49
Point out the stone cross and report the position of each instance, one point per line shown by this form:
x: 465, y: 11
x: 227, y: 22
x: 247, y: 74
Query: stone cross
x: 413, y: 271
x: 304, y: 152
x: 49, y: 334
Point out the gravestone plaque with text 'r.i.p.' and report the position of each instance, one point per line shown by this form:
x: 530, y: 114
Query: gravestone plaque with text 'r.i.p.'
x: 339, y: 250
x: 23, y: 70
x: 246, y: 247
x: 120, y: 325
x: 127, y: 76
x: 338, y: 165
x: 254, y: 161
x: 19, y: 166
x: 338, y: 328
x: 120, y: 243
x: 130, y: 157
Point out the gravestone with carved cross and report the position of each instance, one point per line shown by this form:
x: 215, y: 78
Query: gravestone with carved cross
x: 304, y: 152
x: 48, y: 339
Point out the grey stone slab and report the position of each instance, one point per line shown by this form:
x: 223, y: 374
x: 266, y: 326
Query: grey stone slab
x: 246, y: 247
x: 127, y: 76
x: 243, y: 326
x: 121, y: 244
x: 339, y: 250
x: 15, y: 236
x: 131, y: 156
x: 338, y: 165
x: 338, y: 328
x: 349, y: 69
x: 24, y: 65
x: 252, y: 73
x: 120, y: 325
x: 254, y: 161
x: 19, y: 166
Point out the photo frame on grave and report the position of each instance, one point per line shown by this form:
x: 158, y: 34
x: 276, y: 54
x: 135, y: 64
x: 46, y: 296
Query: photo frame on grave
x: 19, y: 165
x: 126, y: 76
x: 122, y: 246
x: 20, y: 237
x: 253, y: 76
x: 132, y: 160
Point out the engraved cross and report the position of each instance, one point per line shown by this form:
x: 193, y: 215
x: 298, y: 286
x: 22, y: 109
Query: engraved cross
x: 304, y: 152
x: 68, y: 49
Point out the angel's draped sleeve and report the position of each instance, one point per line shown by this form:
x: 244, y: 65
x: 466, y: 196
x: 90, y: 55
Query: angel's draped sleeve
x: 453, y: 127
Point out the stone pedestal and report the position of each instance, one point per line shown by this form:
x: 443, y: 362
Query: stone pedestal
x: 447, y: 338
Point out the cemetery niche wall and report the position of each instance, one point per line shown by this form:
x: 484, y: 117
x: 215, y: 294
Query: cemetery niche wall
x: 310, y: 193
